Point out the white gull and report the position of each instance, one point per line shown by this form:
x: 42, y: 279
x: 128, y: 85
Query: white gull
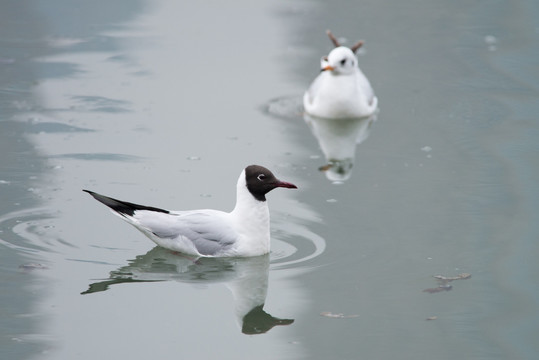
x: 245, y: 231
x: 341, y: 90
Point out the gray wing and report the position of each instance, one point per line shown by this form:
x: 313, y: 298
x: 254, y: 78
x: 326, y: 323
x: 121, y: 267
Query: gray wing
x: 207, y: 230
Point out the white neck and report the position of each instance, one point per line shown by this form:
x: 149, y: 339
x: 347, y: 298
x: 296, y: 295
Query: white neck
x: 252, y: 221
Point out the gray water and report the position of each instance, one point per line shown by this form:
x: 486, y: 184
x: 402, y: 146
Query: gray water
x: 163, y: 103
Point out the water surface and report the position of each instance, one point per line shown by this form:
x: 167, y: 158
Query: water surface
x: 163, y: 103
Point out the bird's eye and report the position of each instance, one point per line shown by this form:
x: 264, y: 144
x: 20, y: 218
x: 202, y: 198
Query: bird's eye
x: 343, y: 61
x: 325, y: 58
x: 261, y: 177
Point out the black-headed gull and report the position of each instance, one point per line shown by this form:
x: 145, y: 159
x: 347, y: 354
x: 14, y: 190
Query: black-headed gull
x: 245, y: 231
x: 341, y: 90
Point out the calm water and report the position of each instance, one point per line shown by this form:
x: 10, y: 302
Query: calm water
x: 164, y: 103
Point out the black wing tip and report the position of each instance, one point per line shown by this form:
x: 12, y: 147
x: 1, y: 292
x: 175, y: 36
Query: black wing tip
x: 95, y: 195
x: 116, y: 205
x: 123, y: 207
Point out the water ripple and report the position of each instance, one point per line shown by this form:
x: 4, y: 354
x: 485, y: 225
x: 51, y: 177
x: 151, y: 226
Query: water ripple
x: 286, y: 107
x: 25, y: 231
x: 294, y: 245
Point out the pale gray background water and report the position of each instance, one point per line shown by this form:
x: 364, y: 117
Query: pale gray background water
x: 163, y: 103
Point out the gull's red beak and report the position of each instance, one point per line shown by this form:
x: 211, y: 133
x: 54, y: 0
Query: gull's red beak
x: 285, y: 184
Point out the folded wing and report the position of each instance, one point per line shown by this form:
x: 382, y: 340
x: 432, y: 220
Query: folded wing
x: 205, y: 230
x: 201, y: 232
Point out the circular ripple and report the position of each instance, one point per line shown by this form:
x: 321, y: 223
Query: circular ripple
x: 28, y: 232
x: 294, y: 247
x: 286, y: 107
x: 24, y: 231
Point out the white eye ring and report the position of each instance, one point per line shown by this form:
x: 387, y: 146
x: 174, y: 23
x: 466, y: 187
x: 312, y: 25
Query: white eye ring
x: 261, y: 177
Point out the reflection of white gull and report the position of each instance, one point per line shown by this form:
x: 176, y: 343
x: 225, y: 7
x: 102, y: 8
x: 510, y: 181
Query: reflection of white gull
x: 338, y: 140
x: 341, y: 90
x: 243, y: 232
x: 247, y: 279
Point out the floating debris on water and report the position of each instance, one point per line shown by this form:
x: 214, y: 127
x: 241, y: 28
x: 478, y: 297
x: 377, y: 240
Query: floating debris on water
x: 462, y: 276
x: 438, y: 289
x: 444, y: 282
x: 432, y: 318
x: 491, y: 41
x: 32, y: 266
x: 329, y: 314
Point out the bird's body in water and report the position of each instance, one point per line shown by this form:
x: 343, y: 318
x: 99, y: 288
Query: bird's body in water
x: 244, y: 231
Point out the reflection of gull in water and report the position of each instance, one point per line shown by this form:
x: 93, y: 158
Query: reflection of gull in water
x: 247, y: 279
x: 337, y: 139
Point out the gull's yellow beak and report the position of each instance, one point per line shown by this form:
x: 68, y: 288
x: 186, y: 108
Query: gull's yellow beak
x: 328, y: 67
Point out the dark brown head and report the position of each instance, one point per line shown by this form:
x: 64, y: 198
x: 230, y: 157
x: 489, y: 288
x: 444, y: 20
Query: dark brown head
x: 261, y: 181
